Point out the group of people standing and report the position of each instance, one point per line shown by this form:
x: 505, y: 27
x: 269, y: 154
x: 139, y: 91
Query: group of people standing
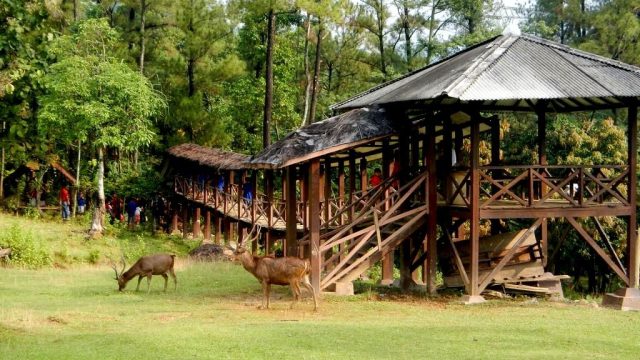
x: 132, y: 206
x: 65, y: 203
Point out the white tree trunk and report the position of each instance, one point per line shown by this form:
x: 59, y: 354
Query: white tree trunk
x: 97, y: 225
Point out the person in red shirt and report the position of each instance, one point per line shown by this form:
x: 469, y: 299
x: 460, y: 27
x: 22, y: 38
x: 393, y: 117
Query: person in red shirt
x: 376, y: 178
x: 64, y: 203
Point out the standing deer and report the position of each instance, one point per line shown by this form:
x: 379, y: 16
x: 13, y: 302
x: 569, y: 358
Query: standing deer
x: 146, y: 266
x: 270, y: 270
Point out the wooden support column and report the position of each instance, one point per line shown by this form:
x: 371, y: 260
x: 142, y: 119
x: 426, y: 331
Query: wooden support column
x: 207, y: 225
x: 406, y: 276
x: 352, y: 183
x: 268, y: 241
x: 217, y: 221
x: 432, y: 201
x: 185, y: 220
x: 314, y: 223
x: 458, y: 144
x: 327, y: 191
x: 495, y: 160
x: 364, y: 184
x: 174, y: 218
x: 542, y: 160
x: 341, y: 202
x: 291, y: 241
x: 632, y: 237
x: 196, y: 222
x: 446, y: 155
x: 474, y: 286
x: 388, y: 258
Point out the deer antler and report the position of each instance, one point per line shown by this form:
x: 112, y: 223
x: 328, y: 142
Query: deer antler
x: 113, y: 266
x: 251, y: 237
x: 123, y: 263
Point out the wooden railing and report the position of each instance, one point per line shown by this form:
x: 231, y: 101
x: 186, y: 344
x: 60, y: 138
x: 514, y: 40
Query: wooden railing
x: 272, y: 213
x: 532, y: 186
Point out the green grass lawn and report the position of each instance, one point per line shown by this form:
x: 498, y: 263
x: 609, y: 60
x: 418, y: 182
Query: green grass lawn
x: 77, y: 313
x: 71, y: 309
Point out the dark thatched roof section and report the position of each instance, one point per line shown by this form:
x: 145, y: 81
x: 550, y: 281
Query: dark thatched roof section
x: 204, y: 156
x: 513, y: 72
x: 347, y: 130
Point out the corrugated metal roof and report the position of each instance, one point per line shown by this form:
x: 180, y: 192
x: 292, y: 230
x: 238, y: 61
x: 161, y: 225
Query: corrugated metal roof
x: 510, y: 67
x: 321, y: 138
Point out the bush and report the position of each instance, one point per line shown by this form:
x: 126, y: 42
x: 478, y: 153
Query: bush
x: 26, y: 251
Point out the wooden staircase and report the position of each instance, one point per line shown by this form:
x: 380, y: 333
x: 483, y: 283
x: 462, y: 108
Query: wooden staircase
x: 383, y: 224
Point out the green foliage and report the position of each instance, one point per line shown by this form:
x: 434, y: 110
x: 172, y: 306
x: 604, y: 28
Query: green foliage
x: 26, y: 250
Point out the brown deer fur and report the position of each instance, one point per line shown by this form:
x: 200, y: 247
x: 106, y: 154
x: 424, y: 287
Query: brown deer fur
x: 270, y: 270
x: 146, y: 266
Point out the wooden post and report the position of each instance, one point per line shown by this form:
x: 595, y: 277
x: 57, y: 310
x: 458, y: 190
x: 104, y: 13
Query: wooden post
x: 327, y: 191
x: 495, y: 160
x: 185, y: 220
x: 174, y: 220
x: 218, y: 225
x: 432, y: 201
x: 196, y: 222
x: 352, y: 183
x: 341, y: 202
x: 207, y: 225
x: 474, y: 290
x: 406, y: 276
x: 446, y: 155
x: 632, y: 238
x: 269, y: 192
x: 364, y: 184
x: 542, y: 160
x: 291, y: 246
x: 314, y: 222
x: 388, y: 258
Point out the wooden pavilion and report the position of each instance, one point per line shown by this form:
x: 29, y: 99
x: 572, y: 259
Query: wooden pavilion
x: 418, y: 122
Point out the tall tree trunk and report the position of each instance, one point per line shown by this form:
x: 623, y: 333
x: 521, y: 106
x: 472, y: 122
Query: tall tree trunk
x: 143, y: 12
x: 191, y: 64
x: 97, y: 225
x: 4, y: 124
x: 408, y: 51
x: 432, y: 29
x: 268, y: 93
x: 77, y: 187
x: 307, y: 73
x: 76, y: 9
x: 316, y: 76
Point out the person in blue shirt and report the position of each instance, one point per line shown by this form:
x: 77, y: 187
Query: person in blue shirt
x: 82, y: 202
x: 247, y: 191
x: 131, y: 212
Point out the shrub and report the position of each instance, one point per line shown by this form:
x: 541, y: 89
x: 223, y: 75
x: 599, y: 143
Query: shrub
x: 26, y: 250
x: 94, y: 256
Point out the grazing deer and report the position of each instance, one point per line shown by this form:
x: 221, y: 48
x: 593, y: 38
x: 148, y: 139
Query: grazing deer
x: 146, y: 266
x: 270, y: 270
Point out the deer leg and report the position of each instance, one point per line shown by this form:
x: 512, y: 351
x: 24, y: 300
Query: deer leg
x: 266, y: 290
x: 166, y: 280
x: 139, y: 279
x: 309, y: 287
x: 149, y: 275
x: 295, y: 289
x: 175, y: 280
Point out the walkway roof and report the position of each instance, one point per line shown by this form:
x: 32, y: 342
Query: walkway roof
x: 512, y: 73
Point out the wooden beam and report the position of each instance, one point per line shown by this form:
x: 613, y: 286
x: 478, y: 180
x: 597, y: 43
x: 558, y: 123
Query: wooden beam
x: 542, y: 160
x: 632, y: 236
x: 603, y: 255
x: 327, y: 192
x: 352, y: 183
x: 388, y: 258
x: 314, y: 222
x: 268, y: 241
